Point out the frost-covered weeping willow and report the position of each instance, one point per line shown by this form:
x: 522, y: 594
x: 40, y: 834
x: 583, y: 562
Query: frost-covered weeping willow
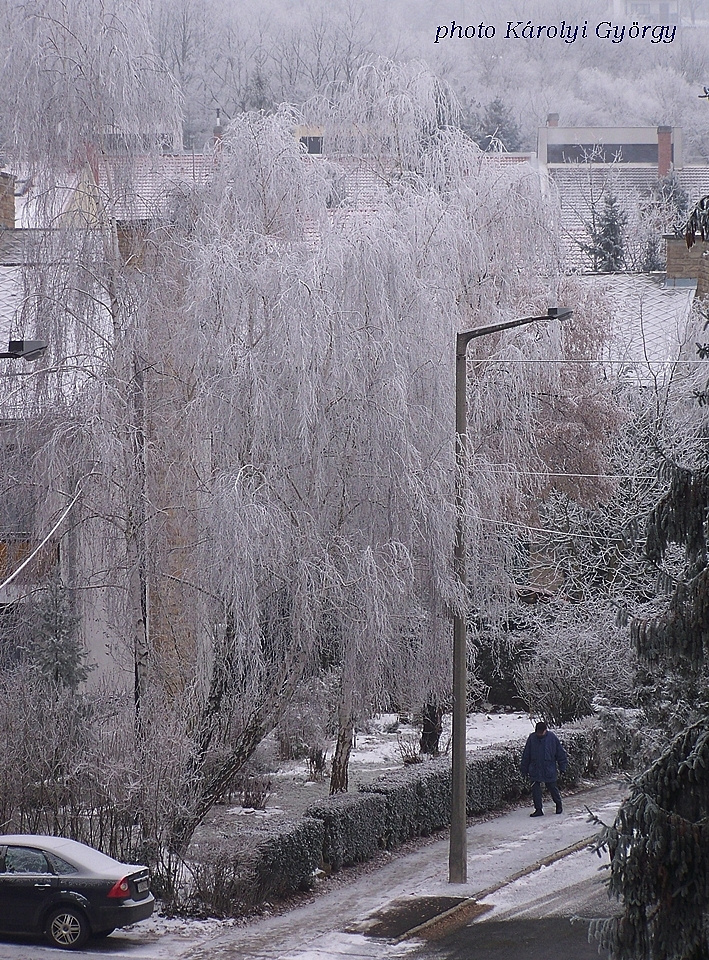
x: 318, y: 361
x: 321, y: 369
x: 79, y: 83
x: 78, y: 78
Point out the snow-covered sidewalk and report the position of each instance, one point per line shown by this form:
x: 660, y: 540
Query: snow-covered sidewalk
x: 498, y: 850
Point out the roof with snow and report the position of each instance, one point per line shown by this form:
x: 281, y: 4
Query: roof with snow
x: 135, y: 189
x: 140, y: 188
x: 581, y: 187
x: 652, y: 323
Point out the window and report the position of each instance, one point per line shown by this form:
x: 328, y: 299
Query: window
x: 25, y: 860
x: 312, y: 144
x: 61, y: 867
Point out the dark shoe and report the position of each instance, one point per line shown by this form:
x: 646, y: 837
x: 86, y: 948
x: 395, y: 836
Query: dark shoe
x: 559, y: 808
x: 537, y: 813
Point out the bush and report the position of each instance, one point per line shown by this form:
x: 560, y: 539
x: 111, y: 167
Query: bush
x: 71, y: 765
x: 218, y: 884
x: 493, y: 778
x: 496, y: 664
x: 582, y: 745
x: 620, y: 737
x: 433, y: 792
x: 401, y: 795
x: 354, y: 827
x: 305, y: 722
x: 226, y: 883
x: 577, y: 660
x: 555, y: 689
x: 287, y: 861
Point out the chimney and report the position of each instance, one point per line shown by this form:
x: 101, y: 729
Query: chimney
x: 7, y: 201
x: 552, y: 119
x: 664, y: 151
x: 218, y: 132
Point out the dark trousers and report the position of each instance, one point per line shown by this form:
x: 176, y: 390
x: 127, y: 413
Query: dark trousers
x: 537, y: 793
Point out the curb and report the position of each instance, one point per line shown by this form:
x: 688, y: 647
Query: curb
x: 468, y: 903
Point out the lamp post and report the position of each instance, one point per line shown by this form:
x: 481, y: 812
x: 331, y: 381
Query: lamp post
x: 24, y: 350
x: 458, y: 857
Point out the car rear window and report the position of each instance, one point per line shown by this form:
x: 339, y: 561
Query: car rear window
x: 61, y: 867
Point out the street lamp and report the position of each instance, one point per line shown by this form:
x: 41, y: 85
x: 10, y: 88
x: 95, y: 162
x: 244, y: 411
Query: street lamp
x: 458, y: 857
x: 24, y: 350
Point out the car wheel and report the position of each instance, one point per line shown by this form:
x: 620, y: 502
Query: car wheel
x: 67, y: 928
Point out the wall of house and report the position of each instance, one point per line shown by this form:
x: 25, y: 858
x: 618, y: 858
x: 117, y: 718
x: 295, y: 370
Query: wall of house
x: 684, y: 264
x: 7, y: 201
x: 659, y: 147
x: 703, y: 278
x: 692, y: 264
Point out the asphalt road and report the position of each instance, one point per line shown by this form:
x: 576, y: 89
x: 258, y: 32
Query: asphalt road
x: 544, y: 916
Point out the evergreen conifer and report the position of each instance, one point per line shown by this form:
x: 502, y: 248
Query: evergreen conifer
x: 57, y: 649
x: 659, y: 843
x: 607, y: 237
x: 498, y: 132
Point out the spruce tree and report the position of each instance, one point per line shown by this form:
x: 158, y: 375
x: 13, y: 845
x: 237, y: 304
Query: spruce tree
x: 607, y: 237
x: 659, y: 843
x: 57, y: 650
x: 497, y: 130
x: 659, y: 863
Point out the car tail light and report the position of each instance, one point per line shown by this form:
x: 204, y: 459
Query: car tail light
x: 120, y: 889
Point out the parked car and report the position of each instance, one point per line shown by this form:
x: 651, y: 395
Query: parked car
x: 68, y: 891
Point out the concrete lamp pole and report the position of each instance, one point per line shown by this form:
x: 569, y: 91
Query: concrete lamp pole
x: 458, y: 856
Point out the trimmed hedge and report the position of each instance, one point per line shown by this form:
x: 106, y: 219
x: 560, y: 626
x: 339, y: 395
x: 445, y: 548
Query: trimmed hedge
x: 283, y: 861
x: 354, y: 827
x: 287, y: 861
x: 400, y: 791
x: 583, y: 745
x: 349, y: 828
x: 419, y: 799
x: 433, y: 793
x: 493, y: 779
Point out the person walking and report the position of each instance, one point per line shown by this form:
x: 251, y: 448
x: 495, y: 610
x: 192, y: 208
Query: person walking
x: 542, y: 753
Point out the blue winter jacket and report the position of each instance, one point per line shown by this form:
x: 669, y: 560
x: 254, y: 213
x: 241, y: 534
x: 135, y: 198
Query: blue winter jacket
x: 540, y: 757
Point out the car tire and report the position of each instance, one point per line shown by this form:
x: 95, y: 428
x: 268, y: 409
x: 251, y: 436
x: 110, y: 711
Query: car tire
x: 67, y: 927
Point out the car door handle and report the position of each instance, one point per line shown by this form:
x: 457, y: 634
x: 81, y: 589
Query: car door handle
x: 43, y: 884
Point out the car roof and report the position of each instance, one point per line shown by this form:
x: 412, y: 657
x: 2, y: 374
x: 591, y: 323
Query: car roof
x: 79, y: 854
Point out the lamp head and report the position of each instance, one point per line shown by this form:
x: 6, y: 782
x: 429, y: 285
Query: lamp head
x: 26, y: 349
x: 559, y: 313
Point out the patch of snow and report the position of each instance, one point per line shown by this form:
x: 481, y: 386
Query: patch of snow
x: 378, y: 747
x: 253, y: 812
x: 548, y: 884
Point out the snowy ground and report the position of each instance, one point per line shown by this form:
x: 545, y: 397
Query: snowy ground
x: 377, y: 750
x: 325, y: 927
